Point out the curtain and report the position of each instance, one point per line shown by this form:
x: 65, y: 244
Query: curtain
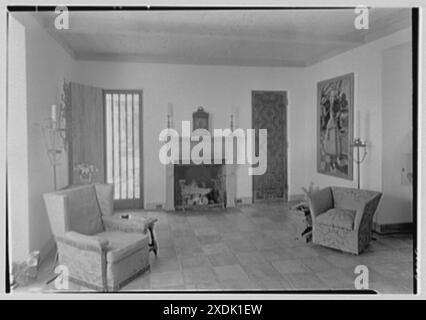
x: 85, y: 123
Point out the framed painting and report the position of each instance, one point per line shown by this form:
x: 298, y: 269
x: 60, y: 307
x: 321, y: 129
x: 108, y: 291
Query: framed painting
x: 335, y: 118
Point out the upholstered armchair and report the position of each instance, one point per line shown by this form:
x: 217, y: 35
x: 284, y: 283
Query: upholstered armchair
x: 342, y: 218
x: 101, y: 251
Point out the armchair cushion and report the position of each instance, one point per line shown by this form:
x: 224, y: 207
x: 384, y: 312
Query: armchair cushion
x: 338, y: 218
x: 84, y: 214
x: 320, y: 201
x: 354, y: 199
x: 56, y: 211
x: 83, y: 242
x: 105, y: 196
x: 122, y: 244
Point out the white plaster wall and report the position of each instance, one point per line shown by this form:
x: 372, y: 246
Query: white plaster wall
x: 218, y: 89
x: 47, y: 66
x: 397, y: 199
x: 17, y: 143
x: 38, y: 67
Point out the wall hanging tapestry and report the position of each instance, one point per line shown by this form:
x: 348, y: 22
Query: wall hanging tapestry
x: 335, y: 100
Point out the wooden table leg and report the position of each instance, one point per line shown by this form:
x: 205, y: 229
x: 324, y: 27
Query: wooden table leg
x: 153, y: 246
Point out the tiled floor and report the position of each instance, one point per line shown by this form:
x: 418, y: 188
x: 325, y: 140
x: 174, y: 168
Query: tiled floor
x: 255, y: 248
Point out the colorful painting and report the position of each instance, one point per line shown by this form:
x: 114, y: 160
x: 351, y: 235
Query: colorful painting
x: 335, y: 126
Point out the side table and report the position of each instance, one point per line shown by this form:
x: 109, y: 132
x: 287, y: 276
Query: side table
x: 303, y: 208
x: 149, y: 225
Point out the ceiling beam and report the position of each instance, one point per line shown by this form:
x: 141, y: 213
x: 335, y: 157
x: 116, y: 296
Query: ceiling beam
x: 147, y: 58
x: 285, y: 37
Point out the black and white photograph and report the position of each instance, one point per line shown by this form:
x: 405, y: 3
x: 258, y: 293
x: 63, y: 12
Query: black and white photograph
x: 212, y: 150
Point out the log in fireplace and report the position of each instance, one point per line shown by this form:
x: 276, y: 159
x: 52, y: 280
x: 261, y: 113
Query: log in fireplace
x: 199, y: 185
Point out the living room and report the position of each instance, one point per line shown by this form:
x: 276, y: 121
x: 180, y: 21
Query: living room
x: 216, y: 69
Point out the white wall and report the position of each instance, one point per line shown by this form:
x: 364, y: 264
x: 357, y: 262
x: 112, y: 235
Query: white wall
x: 46, y: 65
x: 217, y: 89
x: 397, y: 199
x: 366, y: 63
x: 17, y: 143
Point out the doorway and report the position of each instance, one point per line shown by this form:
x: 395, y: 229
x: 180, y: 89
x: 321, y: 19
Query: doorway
x: 269, y: 111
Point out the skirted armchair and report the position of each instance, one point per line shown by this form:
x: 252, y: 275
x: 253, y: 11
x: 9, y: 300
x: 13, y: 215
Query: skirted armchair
x: 101, y: 251
x: 342, y: 218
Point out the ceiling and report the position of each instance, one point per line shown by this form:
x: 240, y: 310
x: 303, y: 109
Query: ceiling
x: 294, y: 38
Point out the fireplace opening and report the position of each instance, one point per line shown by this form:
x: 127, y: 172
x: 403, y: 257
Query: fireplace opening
x: 200, y: 185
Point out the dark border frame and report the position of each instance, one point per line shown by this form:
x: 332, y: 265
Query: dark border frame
x: 416, y: 124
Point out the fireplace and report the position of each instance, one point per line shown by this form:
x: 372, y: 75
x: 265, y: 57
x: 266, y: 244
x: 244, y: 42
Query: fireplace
x: 206, y: 185
x: 199, y: 185
x: 221, y: 178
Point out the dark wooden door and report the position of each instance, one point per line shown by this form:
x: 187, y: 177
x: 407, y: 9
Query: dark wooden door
x: 86, y: 127
x: 269, y: 112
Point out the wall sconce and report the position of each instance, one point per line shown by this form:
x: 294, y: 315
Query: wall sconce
x: 54, y: 137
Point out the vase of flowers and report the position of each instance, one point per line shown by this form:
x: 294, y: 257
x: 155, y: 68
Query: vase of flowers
x: 86, y: 172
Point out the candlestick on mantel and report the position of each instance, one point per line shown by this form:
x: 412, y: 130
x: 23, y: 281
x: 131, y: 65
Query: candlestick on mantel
x: 358, y: 124
x: 169, y: 114
x: 170, y: 109
x: 234, y: 115
x: 54, y: 115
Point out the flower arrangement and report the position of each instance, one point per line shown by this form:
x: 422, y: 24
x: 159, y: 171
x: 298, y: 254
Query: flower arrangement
x: 25, y: 272
x: 86, y: 171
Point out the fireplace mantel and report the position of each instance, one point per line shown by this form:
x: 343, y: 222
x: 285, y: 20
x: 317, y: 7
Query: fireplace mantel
x: 229, y: 169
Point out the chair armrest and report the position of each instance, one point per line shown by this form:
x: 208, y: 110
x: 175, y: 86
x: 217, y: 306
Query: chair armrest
x: 83, y: 242
x: 85, y: 256
x: 137, y: 225
x: 56, y: 206
x: 366, y: 211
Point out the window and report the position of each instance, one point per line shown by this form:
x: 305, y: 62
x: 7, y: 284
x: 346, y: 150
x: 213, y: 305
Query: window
x: 123, y: 118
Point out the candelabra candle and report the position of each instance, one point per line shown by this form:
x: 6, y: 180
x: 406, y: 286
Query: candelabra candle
x: 358, y: 123
x: 168, y: 122
x: 234, y: 117
x: 54, y: 116
x: 169, y: 115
